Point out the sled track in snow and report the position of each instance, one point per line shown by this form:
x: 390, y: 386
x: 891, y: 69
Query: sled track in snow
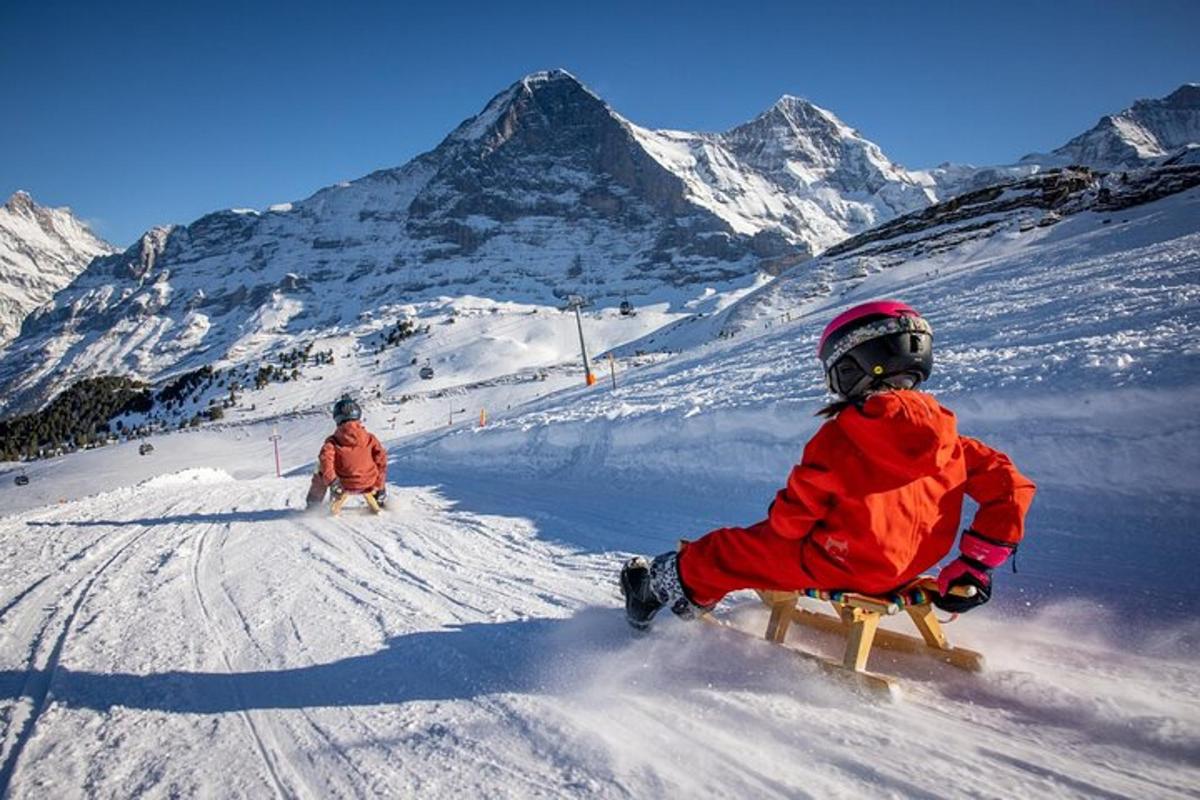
x: 222, y: 615
x: 268, y: 755
x: 37, y: 683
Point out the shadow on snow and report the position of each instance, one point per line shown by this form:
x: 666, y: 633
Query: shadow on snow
x: 222, y: 517
x: 534, y: 656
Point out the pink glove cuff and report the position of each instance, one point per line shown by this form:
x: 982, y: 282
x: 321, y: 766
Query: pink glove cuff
x: 955, y: 570
x: 990, y: 554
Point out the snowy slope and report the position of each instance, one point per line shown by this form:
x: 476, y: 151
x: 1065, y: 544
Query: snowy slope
x: 170, y: 626
x: 1068, y: 344
x: 41, y: 251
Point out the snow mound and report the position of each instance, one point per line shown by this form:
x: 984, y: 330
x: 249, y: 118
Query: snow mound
x: 188, y: 477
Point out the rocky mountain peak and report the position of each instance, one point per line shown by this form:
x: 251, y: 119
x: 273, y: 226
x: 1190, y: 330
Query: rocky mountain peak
x: 801, y: 111
x: 535, y: 80
x: 1148, y: 130
x: 20, y: 201
x: 1186, y: 97
x: 539, y: 100
x: 790, y: 118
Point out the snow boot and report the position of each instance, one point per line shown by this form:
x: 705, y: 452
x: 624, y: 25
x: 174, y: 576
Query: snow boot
x: 650, y: 585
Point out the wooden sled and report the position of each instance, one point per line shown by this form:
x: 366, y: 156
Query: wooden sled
x: 858, y: 617
x: 335, y: 507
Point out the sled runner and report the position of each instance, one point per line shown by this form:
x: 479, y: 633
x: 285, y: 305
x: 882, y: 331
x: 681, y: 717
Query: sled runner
x: 858, y: 617
x: 335, y: 507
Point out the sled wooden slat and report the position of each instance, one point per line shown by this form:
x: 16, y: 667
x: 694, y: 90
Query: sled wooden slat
x: 861, y: 626
x: 858, y: 619
x: 866, y: 682
x: 339, y: 502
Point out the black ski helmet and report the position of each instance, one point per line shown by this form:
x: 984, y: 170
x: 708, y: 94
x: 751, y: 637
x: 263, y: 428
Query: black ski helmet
x: 345, y: 409
x: 873, y: 344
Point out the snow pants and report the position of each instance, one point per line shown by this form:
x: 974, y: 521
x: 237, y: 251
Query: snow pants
x: 729, y: 559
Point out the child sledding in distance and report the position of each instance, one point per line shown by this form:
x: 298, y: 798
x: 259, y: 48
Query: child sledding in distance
x: 351, y: 460
x: 876, y: 499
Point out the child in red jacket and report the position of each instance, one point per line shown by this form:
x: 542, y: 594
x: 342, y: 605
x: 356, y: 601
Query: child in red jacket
x: 876, y: 499
x: 351, y: 460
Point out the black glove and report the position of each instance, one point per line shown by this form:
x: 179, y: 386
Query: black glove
x: 964, y: 577
x: 335, y: 488
x: 381, y: 496
x: 972, y: 570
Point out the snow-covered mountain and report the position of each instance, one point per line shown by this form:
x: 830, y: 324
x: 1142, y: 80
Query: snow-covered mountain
x: 795, y: 168
x: 41, y: 251
x: 1151, y: 132
x: 1147, y: 130
x: 546, y: 192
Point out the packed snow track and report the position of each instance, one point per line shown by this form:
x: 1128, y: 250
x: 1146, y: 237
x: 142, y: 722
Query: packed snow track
x: 193, y: 635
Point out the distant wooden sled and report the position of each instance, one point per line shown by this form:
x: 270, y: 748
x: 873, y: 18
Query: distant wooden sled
x: 335, y: 507
x: 858, y: 617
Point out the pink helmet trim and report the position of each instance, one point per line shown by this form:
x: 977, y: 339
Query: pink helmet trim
x: 887, y: 308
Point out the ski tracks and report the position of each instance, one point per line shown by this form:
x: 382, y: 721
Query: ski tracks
x: 59, y: 595
x: 260, y: 733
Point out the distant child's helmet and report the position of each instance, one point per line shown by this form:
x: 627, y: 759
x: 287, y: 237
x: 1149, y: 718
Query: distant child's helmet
x: 876, y: 344
x: 345, y: 409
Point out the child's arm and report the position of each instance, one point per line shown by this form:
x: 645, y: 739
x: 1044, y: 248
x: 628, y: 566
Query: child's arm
x: 379, y: 456
x: 325, y: 462
x: 1003, y: 493
x: 804, y: 501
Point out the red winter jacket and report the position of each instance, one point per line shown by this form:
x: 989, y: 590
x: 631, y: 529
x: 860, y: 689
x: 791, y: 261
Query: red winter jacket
x: 355, y: 457
x: 878, y: 496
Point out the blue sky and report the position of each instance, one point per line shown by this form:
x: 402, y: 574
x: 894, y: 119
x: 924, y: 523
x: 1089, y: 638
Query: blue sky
x: 137, y: 114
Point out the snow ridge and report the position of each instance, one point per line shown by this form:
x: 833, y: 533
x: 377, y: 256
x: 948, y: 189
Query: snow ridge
x: 796, y: 170
x: 41, y: 251
x: 1149, y: 129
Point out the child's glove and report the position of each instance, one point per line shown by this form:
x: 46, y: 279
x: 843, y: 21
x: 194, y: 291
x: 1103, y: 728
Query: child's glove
x: 381, y: 495
x: 971, y: 569
x: 335, y: 488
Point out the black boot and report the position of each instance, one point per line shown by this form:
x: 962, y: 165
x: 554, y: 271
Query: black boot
x: 650, y: 585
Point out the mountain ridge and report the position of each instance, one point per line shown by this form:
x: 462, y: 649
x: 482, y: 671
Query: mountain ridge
x: 42, y: 250
x: 547, y: 191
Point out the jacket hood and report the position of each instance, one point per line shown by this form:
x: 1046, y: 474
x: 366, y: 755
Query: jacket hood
x: 350, y: 433
x: 904, y: 432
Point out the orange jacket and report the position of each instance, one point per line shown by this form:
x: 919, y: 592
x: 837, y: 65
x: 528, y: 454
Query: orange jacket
x: 355, y: 457
x: 878, y: 496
